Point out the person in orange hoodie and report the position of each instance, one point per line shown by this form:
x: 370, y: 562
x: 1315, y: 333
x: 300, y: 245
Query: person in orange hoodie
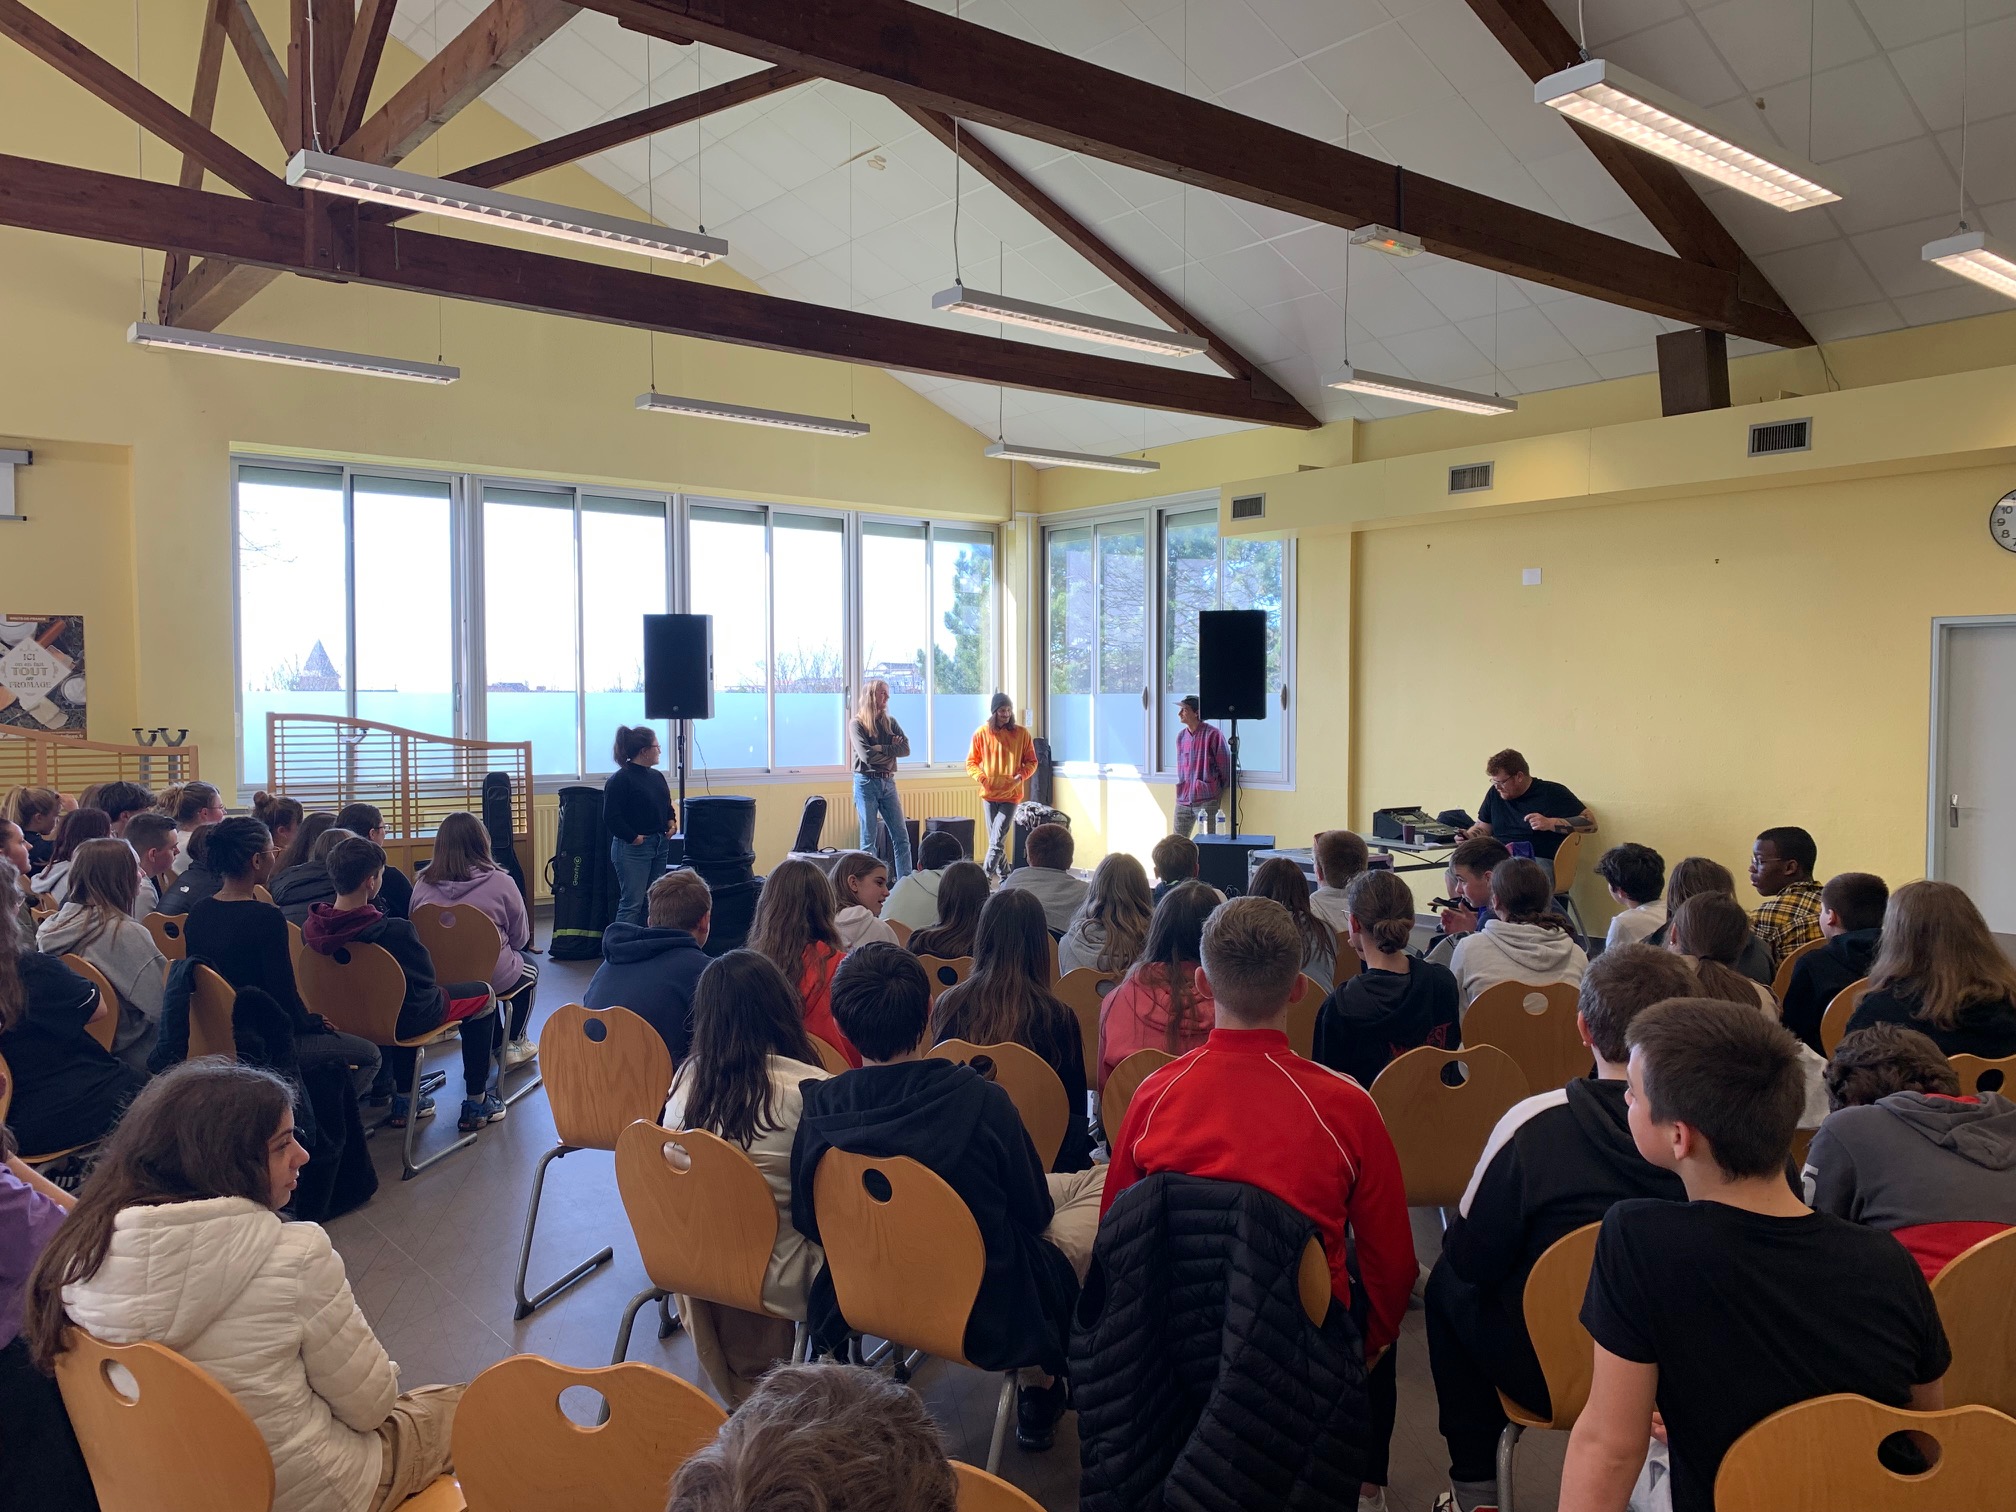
x: 1003, y: 757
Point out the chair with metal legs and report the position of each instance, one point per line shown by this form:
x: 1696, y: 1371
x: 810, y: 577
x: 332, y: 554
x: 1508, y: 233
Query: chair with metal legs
x: 464, y: 945
x: 1552, y: 1303
x: 604, y: 1069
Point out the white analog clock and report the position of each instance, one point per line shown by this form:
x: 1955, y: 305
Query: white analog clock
x: 2002, y: 521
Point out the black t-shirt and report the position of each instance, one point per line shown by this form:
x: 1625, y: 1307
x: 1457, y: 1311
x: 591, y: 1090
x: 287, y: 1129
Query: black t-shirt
x: 1507, y: 817
x: 1746, y: 1314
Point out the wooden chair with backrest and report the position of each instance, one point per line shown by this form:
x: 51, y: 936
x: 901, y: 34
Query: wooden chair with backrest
x: 704, y: 1218
x: 1820, y: 1456
x: 261, y: 894
x: 516, y: 1450
x: 943, y: 972
x: 605, y: 1069
x: 829, y: 1055
x: 159, y: 1434
x: 1552, y: 1303
x: 1302, y: 1017
x: 906, y: 1260
x: 1055, y: 973
x: 901, y: 930
x: 1567, y: 861
x: 211, y: 1000
x: 1348, y: 962
x: 1083, y: 991
x: 1834, y: 1022
x: 359, y: 989
x: 1972, y: 1068
x: 1976, y: 1296
x: 295, y: 945
x: 1124, y: 1083
x: 464, y: 945
x: 167, y: 932
x: 1028, y: 1080
x: 1781, y: 980
x: 1535, y: 1025
x: 106, y: 1024
x: 981, y: 1492
x: 1440, y: 1130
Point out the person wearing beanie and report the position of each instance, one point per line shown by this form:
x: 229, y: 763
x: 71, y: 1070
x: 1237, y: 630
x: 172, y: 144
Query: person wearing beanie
x: 1002, y: 759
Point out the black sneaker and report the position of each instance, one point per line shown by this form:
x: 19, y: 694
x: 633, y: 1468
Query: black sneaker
x: 1037, y: 1412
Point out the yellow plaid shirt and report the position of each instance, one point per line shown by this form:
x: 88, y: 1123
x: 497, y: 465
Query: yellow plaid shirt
x: 1786, y: 922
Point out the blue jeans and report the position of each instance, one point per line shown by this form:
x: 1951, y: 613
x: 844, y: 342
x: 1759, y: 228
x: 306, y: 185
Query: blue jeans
x: 637, y: 867
x: 875, y: 797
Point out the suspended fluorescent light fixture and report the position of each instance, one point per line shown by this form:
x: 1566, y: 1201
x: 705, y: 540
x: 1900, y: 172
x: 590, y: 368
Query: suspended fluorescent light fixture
x: 709, y: 409
x: 223, y: 344
x: 1602, y: 95
x: 1972, y: 255
x: 433, y: 196
x: 1386, y: 239
x: 961, y: 300
x: 1412, y: 391
x: 1044, y: 456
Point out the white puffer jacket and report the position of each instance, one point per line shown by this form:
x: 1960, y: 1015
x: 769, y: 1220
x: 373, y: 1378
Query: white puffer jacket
x: 265, y: 1308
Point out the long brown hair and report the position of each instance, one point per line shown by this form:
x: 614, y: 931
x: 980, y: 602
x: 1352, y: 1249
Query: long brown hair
x: 793, y: 913
x: 1120, y: 899
x: 1175, y: 942
x: 104, y: 881
x: 1694, y: 875
x: 24, y: 805
x: 13, y: 997
x: 962, y: 893
x: 301, y: 845
x: 461, y: 849
x: 197, y: 1131
x: 852, y: 864
x: 1382, y: 906
x: 1712, y: 929
x: 76, y: 827
x: 1936, y: 949
x: 1009, y: 990
x: 1282, y: 880
x: 744, y: 1011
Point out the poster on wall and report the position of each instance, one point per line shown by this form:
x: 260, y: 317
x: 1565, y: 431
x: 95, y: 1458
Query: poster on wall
x: 42, y: 672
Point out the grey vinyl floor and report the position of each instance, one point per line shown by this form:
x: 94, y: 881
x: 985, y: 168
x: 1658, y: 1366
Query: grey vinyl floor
x: 432, y: 1262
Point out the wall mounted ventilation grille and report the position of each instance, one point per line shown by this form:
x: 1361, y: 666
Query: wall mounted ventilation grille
x: 1781, y: 436
x: 1472, y: 477
x: 1249, y: 507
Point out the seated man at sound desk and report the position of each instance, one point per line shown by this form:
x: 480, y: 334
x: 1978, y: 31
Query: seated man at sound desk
x: 1520, y: 806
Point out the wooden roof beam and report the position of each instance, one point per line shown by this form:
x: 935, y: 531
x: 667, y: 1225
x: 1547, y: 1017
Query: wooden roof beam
x: 202, y: 110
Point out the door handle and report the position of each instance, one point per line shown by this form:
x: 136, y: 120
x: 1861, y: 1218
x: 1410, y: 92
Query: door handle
x: 1144, y: 698
x: 1953, y: 812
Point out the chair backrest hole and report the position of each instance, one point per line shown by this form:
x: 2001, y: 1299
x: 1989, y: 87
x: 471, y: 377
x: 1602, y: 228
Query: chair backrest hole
x: 676, y: 1156
x: 596, y: 1030
x: 120, y: 1380
x: 1105, y: 986
x: 173, y: 931
x: 583, y: 1406
x: 876, y: 1185
x: 984, y: 1064
x: 1909, y: 1452
x: 1455, y: 1073
x: 1534, y: 1003
x: 1990, y: 1080
x: 947, y: 977
x: 445, y: 919
x: 340, y: 955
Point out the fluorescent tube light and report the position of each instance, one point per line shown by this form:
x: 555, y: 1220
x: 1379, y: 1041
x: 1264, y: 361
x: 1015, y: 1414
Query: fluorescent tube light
x: 1041, y: 317
x: 1412, y: 391
x: 432, y: 196
x: 708, y: 409
x: 1386, y: 239
x: 223, y: 344
x: 1604, y: 96
x: 1971, y: 255
x: 1043, y: 456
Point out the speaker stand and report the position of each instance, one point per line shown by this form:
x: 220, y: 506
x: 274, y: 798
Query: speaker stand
x: 1232, y: 744
x: 679, y: 765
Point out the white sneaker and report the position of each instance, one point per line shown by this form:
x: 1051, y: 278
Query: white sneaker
x: 517, y: 1052
x: 1371, y: 1499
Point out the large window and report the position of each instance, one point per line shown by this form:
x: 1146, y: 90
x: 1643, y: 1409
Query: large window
x: 1119, y: 606
x: 927, y: 629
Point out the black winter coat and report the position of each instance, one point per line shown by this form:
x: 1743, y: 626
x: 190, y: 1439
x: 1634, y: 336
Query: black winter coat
x: 1199, y: 1380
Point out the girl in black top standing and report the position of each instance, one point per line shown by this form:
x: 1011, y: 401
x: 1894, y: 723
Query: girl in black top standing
x: 637, y: 810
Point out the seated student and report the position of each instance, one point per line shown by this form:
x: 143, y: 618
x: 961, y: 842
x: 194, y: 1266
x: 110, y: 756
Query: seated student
x: 197, y: 880
x: 1722, y: 1309
x: 1037, y: 1231
x: 76, y: 827
x: 913, y: 902
x: 1158, y: 1006
x: 839, y: 1438
x: 14, y: 851
x: 1693, y: 875
x: 1938, y: 970
x: 794, y: 928
x: 962, y: 893
x: 1341, y: 856
x: 1470, y: 867
x: 1282, y: 880
x: 1906, y: 1153
x: 1008, y: 997
x: 1851, y: 921
x: 177, y: 1239
x: 1523, y: 941
x: 97, y: 924
x: 750, y: 1057
x: 1048, y: 875
x: 860, y: 887
x: 395, y: 897
x: 653, y: 968
x: 462, y: 871
x: 40, y: 1463
x: 1636, y: 877
x: 1781, y: 868
x: 1175, y: 861
x: 36, y: 811
x: 1554, y: 1163
x: 121, y: 801
x: 1396, y: 1003
x: 1111, y: 925
x: 190, y: 804
x: 301, y: 875
x: 357, y: 865
x: 68, y: 1089
x: 281, y: 816
x: 152, y: 836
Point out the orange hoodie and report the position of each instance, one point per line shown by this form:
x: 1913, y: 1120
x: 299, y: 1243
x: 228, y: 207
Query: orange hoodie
x: 1001, y: 761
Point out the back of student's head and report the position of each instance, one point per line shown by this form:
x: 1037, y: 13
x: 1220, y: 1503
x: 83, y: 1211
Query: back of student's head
x: 1281, y: 879
x: 105, y: 877
x: 1010, y: 985
x: 461, y: 849
x: 29, y: 806
x: 301, y: 847
x: 1252, y: 955
x: 1637, y: 871
x: 1174, y: 858
x: 821, y: 1438
x: 1522, y: 892
x: 1872, y: 1063
x: 149, y: 831
x: 678, y: 900
x: 1050, y: 846
x: 1729, y: 1072
x: 1936, y: 949
x: 122, y: 800
x: 74, y: 828
x: 962, y: 893
x: 197, y: 846
x: 1382, y: 906
x: 234, y: 844
x: 1622, y: 983
x: 744, y: 1012
x: 1340, y: 855
x: 938, y: 850
x: 326, y: 843
x: 882, y: 1000
x: 354, y: 861
x: 794, y: 910
x: 1793, y: 844
x: 1714, y: 929
x: 1120, y: 900
x: 277, y: 813
x: 360, y: 819
x: 1694, y: 875
x: 1857, y: 899
x: 190, y: 801
x: 1479, y: 855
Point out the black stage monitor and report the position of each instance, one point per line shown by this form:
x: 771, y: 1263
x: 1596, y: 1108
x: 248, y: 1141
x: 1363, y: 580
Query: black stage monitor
x: 678, y: 666
x: 1232, y: 663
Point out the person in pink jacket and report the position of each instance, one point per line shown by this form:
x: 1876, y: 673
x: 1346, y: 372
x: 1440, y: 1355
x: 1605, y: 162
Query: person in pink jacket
x: 463, y: 871
x: 1158, y: 1006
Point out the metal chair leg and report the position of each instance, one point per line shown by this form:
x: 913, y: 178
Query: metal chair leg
x: 1508, y: 1441
x: 668, y: 1320
x: 649, y: 1294
x: 1002, y: 1409
x: 409, y: 1167
x: 527, y: 1305
x: 801, y: 1344
x: 535, y: 1080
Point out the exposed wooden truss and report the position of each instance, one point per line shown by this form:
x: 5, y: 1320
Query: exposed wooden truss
x: 202, y: 110
x: 359, y: 70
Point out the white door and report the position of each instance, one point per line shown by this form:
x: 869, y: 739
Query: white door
x: 1973, y: 809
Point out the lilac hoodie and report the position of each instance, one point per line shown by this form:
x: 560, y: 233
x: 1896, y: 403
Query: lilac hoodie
x: 496, y: 894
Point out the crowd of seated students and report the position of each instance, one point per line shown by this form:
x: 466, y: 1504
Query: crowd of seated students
x: 1111, y: 925
x: 97, y: 923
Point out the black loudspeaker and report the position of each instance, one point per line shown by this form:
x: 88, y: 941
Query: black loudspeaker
x: 678, y: 666
x: 1231, y: 663
x: 1224, y: 861
x: 720, y: 829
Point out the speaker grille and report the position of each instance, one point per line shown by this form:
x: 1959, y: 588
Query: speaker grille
x: 1781, y: 436
x: 1471, y: 477
x: 1249, y: 507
